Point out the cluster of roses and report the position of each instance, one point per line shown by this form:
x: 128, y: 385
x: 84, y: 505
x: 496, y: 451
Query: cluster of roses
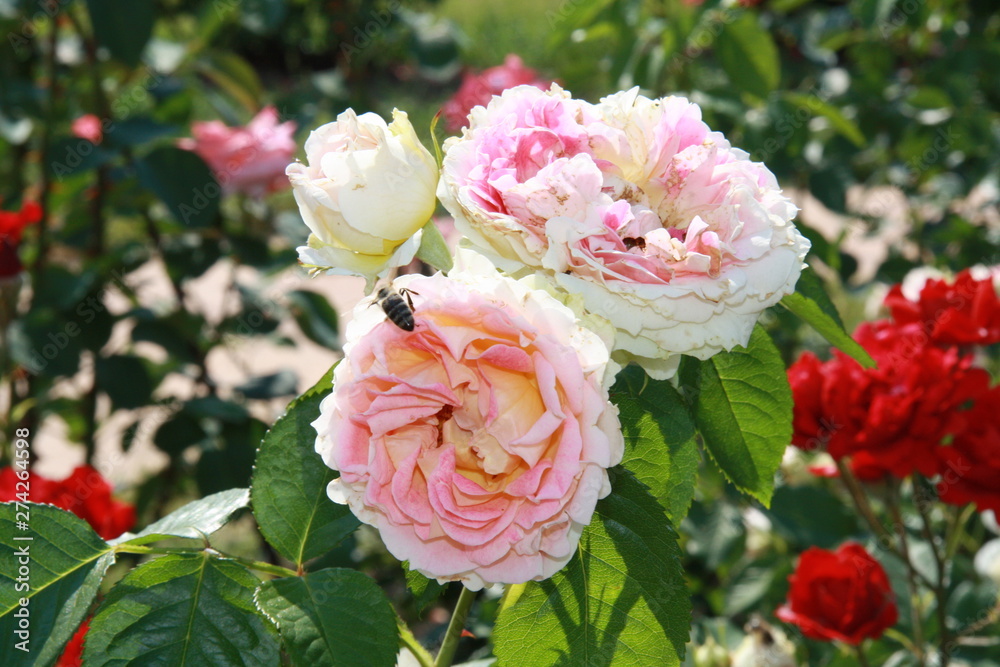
x: 478, y: 442
x: 87, y: 494
x: 927, y: 408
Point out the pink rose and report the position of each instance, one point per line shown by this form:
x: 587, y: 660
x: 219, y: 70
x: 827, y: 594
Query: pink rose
x: 249, y: 159
x: 478, y: 444
x: 479, y: 89
x: 661, y: 226
x: 88, y: 126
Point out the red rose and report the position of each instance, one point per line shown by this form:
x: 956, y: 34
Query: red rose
x: 839, y: 595
x: 479, y: 89
x: 85, y: 493
x: 12, y: 223
x: 73, y: 653
x: 970, y: 465
x: 889, y: 419
x: 965, y: 312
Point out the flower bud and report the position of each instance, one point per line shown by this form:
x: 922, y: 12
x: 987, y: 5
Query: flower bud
x: 365, y: 192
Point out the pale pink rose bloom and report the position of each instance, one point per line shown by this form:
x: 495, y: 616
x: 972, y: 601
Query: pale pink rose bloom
x: 88, y: 126
x: 479, y: 89
x: 477, y: 444
x: 250, y: 159
x: 657, y: 222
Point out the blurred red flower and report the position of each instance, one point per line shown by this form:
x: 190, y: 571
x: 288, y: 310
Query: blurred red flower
x: 889, y: 419
x: 12, y: 223
x: 249, y: 159
x: 839, y: 595
x: 479, y: 89
x: 85, y: 493
x: 970, y: 465
x: 963, y: 312
x: 73, y: 653
x: 88, y: 126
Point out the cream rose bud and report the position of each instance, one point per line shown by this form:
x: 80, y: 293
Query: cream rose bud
x: 366, y: 190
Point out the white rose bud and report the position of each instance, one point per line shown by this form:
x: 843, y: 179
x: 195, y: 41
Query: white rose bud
x: 365, y: 192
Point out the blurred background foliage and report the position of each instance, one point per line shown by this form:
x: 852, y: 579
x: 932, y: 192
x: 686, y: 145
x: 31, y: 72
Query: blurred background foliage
x: 880, y: 115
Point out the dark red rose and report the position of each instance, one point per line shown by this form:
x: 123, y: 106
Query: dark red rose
x: 970, y: 465
x: 839, y: 595
x: 889, y: 419
x: 964, y: 312
x: 73, y: 653
x: 85, y: 493
x: 479, y: 89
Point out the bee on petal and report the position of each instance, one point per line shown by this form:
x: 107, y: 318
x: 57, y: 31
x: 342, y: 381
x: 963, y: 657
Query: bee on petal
x: 397, y: 306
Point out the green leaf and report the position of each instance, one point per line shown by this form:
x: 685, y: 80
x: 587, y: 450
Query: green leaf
x: 194, y: 520
x: 433, y: 249
x: 234, y: 75
x: 264, y: 387
x: 123, y: 28
x: 288, y: 490
x: 66, y: 562
x: 332, y: 617
x: 715, y: 532
x: 660, y: 446
x: 744, y: 413
x: 748, y: 55
x: 424, y: 590
x: 620, y: 600
x: 183, y: 182
x: 182, y: 610
x: 316, y: 318
x: 813, y: 306
x: 125, y: 380
x: 839, y: 121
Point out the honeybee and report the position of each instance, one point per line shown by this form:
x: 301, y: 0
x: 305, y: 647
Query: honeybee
x: 397, y: 306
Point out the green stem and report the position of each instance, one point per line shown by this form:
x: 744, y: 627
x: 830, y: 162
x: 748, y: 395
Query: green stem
x: 940, y: 588
x: 455, y: 627
x: 911, y: 574
x: 955, y: 529
x: 269, y: 568
x: 407, y: 639
x: 862, y: 658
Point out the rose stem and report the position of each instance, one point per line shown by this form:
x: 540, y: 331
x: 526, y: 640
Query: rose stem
x: 940, y: 590
x: 862, y: 658
x: 911, y: 572
x: 454, y: 632
x: 407, y: 639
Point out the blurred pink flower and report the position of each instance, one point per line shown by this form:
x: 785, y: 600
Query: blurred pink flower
x: 479, y: 89
x: 88, y: 126
x: 249, y: 159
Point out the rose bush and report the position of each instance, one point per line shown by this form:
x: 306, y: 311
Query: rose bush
x: 839, y: 595
x: 664, y: 228
x: 365, y: 192
x: 965, y: 311
x: 477, y: 444
x: 889, y: 419
x: 249, y: 159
